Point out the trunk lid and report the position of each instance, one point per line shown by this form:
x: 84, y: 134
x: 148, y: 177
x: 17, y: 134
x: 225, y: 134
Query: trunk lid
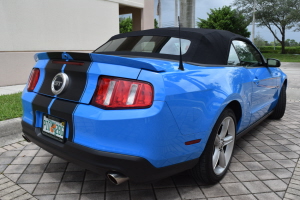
x: 83, y: 71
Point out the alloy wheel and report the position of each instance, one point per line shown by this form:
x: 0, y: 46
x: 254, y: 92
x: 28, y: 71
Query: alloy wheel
x: 223, y: 145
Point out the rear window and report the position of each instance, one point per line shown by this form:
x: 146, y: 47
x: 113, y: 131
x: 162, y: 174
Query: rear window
x: 146, y: 44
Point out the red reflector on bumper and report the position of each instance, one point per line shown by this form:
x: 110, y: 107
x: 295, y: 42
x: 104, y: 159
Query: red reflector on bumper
x: 192, y: 142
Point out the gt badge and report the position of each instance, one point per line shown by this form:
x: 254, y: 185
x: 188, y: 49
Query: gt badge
x: 59, y: 83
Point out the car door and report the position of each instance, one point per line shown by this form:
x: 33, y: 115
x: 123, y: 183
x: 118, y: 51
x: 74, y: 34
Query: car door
x: 264, y: 79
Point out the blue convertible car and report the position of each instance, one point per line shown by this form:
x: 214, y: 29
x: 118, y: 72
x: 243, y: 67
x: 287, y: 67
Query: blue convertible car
x: 133, y: 109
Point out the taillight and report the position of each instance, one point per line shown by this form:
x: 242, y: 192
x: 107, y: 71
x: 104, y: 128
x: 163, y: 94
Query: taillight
x: 33, y: 79
x: 118, y: 93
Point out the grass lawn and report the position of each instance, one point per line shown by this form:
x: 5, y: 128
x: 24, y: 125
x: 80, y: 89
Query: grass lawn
x: 283, y: 57
x: 10, y: 106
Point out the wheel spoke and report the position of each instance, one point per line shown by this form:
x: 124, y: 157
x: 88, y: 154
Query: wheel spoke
x: 217, y: 141
x: 227, y: 140
x: 222, y: 160
x: 216, y: 157
x: 224, y: 128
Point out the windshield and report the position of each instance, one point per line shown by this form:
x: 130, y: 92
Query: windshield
x: 146, y: 44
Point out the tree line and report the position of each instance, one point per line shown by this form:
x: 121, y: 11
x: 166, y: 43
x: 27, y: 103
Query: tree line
x: 280, y: 15
x: 259, y: 42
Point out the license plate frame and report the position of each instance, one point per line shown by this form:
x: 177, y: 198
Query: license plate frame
x: 54, y: 127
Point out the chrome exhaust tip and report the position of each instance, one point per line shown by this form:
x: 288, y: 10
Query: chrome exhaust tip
x: 25, y: 138
x: 116, y: 178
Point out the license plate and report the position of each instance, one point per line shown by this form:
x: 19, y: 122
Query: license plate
x: 54, y: 127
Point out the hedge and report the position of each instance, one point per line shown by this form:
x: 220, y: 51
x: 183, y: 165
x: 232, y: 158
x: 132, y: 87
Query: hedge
x: 289, y: 50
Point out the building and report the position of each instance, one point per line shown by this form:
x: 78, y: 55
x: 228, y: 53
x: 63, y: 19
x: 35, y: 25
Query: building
x: 31, y: 26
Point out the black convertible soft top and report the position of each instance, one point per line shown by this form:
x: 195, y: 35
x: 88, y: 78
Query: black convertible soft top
x: 208, y: 46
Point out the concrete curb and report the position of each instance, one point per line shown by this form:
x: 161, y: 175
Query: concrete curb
x: 10, y: 127
x: 10, y: 131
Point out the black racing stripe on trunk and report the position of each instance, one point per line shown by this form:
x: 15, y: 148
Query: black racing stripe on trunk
x: 64, y: 110
x: 77, y: 81
x: 54, y: 55
x: 80, y: 56
x: 40, y: 103
x: 50, y: 72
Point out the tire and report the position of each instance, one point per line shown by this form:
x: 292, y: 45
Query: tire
x: 216, y: 157
x: 279, y: 109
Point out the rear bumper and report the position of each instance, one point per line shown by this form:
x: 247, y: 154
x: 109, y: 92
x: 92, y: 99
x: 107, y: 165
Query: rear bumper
x: 136, y: 168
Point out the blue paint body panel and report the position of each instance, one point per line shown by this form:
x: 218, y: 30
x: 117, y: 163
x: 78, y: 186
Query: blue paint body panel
x: 198, y: 95
x: 186, y: 106
x: 149, y: 133
x: 27, y: 98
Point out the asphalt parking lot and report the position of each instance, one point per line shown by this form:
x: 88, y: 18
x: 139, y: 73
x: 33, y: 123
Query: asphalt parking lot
x: 293, y: 72
x: 265, y: 166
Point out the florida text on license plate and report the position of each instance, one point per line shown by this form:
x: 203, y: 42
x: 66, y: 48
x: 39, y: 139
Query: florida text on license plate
x: 54, y: 127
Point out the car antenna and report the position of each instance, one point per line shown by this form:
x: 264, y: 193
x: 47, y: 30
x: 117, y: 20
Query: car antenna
x: 180, y: 53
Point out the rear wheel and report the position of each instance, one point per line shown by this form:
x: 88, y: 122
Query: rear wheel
x: 215, y: 159
x: 279, y: 109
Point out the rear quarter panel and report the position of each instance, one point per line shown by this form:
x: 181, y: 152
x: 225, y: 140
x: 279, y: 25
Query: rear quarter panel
x: 198, y: 95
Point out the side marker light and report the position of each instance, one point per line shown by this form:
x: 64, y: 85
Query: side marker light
x: 192, y: 142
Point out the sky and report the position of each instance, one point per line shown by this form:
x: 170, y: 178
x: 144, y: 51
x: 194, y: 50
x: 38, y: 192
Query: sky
x: 203, y: 7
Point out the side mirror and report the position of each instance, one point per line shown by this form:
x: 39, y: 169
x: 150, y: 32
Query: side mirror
x: 271, y: 62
